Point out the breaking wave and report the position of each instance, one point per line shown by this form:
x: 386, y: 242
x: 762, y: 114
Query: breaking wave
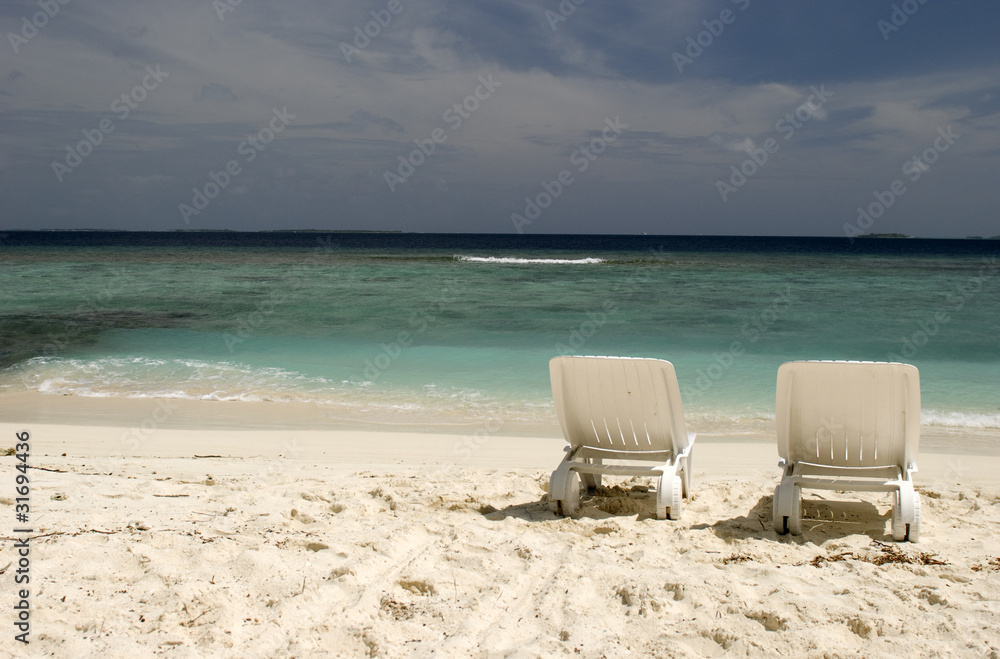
x: 509, y: 260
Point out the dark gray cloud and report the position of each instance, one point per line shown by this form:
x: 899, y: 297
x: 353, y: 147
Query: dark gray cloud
x: 447, y: 115
x: 214, y: 92
x: 363, y: 118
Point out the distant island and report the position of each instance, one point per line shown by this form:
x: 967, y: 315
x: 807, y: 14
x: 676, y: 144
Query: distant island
x: 84, y: 229
x: 884, y: 235
x: 287, y: 231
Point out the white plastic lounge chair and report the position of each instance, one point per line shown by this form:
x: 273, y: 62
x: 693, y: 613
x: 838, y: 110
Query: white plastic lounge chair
x: 622, y: 409
x: 848, y: 426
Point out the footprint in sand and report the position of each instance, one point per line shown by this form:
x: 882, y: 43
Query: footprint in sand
x: 305, y: 518
x: 417, y: 586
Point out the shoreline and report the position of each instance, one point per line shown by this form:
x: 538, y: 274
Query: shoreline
x: 124, y: 428
x: 350, y: 450
x: 142, y: 417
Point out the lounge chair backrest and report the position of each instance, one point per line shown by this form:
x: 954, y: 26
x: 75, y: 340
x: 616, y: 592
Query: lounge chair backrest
x: 848, y: 414
x: 618, y: 403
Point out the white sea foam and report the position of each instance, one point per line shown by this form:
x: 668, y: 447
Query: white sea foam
x: 196, y: 379
x: 517, y: 261
x: 959, y: 419
x: 141, y: 377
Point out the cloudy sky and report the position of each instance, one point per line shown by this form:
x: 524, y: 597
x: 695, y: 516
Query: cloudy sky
x: 585, y: 116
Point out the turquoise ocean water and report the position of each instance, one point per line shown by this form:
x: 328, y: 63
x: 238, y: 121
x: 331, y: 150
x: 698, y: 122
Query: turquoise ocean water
x: 413, y: 328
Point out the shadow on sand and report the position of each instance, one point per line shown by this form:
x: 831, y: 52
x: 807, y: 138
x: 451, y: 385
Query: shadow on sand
x: 822, y: 518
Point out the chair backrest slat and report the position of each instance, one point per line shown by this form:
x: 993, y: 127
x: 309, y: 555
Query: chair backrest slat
x: 848, y: 414
x: 618, y: 403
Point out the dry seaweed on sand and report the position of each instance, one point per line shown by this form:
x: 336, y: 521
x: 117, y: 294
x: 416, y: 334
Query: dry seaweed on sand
x: 886, y: 553
x: 893, y: 554
x: 833, y: 558
x: 992, y: 565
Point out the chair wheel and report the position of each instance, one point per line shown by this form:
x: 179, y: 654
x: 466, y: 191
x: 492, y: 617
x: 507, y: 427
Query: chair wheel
x: 901, y: 532
x: 787, y: 515
x: 913, y: 530
x: 676, y: 495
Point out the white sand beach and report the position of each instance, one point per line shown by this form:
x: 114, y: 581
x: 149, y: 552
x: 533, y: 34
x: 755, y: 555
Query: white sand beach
x: 299, y: 542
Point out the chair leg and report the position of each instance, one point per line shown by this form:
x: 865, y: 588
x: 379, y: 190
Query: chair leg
x: 898, y: 525
x: 669, y: 489
x: 564, y: 490
x: 571, y: 500
x: 906, y: 514
x: 676, y: 494
x: 662, y: 502
x: 777, y: 514
x: 591, y: 481
x: 914, y: 533
x: 787, y: 509
x: 557, y: 487
x: 686, y: 475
